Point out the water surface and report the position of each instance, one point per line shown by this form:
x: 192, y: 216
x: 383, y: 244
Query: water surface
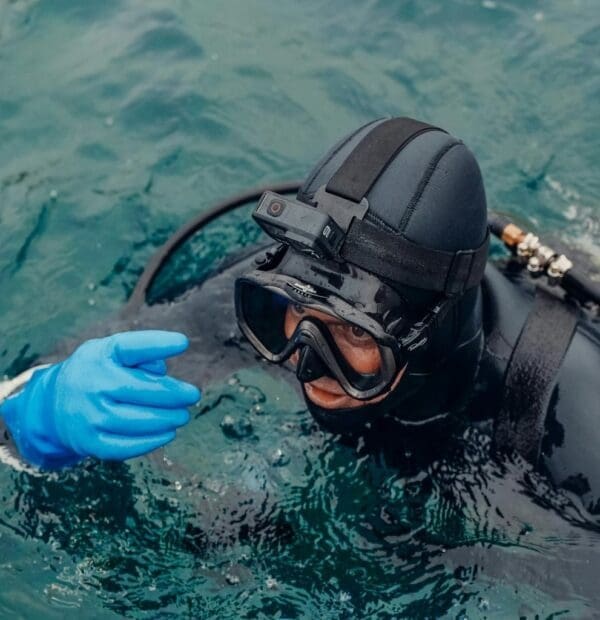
x: 121, y: 119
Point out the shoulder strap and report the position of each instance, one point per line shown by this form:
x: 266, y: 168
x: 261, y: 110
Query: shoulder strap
x: 531, y: 375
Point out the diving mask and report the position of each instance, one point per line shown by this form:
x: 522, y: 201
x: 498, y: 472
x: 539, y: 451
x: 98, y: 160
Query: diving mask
x: 284, y: 316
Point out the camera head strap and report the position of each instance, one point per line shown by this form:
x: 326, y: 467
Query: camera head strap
x: 336, y: 225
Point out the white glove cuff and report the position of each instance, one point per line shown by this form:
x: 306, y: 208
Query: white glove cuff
x: 10, y: 386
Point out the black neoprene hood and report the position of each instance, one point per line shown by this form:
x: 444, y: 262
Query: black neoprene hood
x: 431, y: 192
x: 407, y: 215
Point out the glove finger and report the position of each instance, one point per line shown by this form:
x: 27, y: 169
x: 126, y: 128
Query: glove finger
x: 135, y: 348
x: 136, y: 421
x: 118, y: 448
x: 158, y: 367
x: 139, y: 388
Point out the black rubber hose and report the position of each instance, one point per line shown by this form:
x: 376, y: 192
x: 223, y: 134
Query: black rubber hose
x: 155, y: 264
x: 497, y: 223
x: 575, y: 283
x: 581, y: 287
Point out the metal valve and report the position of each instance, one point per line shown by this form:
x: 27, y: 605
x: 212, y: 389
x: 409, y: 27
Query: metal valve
x: 541, y: 258
x: 558, y: 267
x: 528, y: 246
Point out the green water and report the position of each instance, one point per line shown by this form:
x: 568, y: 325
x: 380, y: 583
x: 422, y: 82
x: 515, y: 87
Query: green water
x: 119, y: 120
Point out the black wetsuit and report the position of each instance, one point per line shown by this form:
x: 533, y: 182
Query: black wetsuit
x: 572, y: 430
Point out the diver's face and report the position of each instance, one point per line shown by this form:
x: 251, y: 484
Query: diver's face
x: 358, y: 348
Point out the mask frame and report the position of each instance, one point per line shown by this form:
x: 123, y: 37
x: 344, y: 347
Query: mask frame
x: 396, y: 340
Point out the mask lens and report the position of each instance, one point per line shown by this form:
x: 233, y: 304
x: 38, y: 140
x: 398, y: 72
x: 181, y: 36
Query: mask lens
x: 363, y: 366
x: 351, y: 354
x: 264, y: 312
x: 358, y: 348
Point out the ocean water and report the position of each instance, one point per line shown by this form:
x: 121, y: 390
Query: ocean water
x: 120, y: 120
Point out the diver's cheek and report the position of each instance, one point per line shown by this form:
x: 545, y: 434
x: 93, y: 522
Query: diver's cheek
x: 365, y: 360
x: 290, y: 323
x: 294, y: 359
x: 318, y: 393
x: 326, y: 399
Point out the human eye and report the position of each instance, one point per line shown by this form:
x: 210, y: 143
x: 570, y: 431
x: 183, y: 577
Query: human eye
x: 358, y: 332
x: 355, y: 335
x: 297, y: 309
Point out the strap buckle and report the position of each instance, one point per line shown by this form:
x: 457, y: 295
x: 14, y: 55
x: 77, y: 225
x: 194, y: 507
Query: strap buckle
x: 466, y: 268
x: 341, y: 210
x: 458, y: 274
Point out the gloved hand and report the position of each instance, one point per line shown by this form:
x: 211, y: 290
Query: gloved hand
x: 110, y: 399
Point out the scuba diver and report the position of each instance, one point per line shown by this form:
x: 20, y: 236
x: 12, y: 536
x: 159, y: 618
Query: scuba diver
x: 378, y: 294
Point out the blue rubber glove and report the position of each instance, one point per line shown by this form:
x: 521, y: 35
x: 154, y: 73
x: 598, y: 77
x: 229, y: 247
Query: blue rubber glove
x: 110, y: 399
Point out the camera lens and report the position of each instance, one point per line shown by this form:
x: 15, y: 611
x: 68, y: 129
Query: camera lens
x: 275, y: 208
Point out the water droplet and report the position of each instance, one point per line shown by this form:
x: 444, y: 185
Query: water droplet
x: 279, y: 458
x: 109, y: 121
x: 91, y: 286
x: 236, y: 429
x: 571, y: 212
x: 91, y: 301
x: 53, y: 194
x: 345, y: 597
x: 228, y: 420
x: 271, y: 583
x: 488, y: 4
x: 214, y: 57
x: 539, y: 16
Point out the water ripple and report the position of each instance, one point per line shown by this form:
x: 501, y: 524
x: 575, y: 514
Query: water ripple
x: 121, y: 119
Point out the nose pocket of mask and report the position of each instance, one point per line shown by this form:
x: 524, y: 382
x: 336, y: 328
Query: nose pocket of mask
x: 310, y: 366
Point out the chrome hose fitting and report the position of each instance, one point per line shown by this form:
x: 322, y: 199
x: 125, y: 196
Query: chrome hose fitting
x: 557, y: 268
x: 540, y: 260
x: 528, y: 246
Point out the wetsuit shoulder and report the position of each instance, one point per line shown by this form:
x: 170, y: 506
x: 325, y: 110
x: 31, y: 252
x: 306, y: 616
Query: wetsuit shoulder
x: 506, y: 301
x: 570, y: 445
